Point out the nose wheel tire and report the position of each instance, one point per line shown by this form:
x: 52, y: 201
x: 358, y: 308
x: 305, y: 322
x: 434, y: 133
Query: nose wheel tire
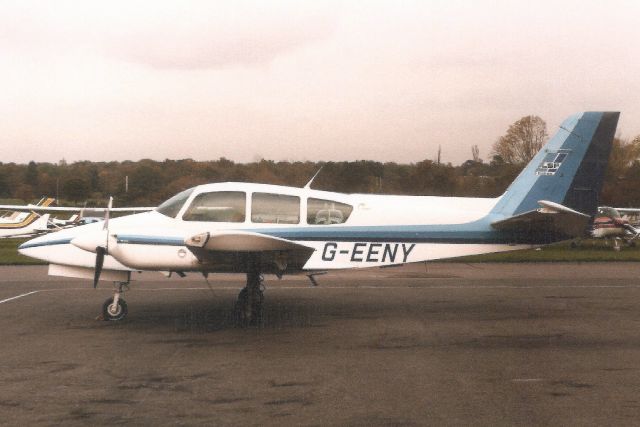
x: 114, y: 312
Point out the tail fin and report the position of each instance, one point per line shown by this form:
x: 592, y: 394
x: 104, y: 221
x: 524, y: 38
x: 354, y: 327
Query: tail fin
x: 568, y: 170
x: 41, y: 223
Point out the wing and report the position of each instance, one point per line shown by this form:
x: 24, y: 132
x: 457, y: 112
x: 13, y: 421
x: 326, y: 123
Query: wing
x: 627, y: 210
x: 551, y: 219
x: 277, y: 255
x: 59, y: 209
x: 242, y: 241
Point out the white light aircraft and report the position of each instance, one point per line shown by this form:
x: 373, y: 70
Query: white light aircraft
x: 613, y: 224
x: 11, y: 217
x: 27, y: 214
x: 25, y: 222
x: 255, y: 228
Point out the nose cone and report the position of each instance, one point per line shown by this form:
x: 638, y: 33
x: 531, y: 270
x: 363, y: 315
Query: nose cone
x: 90, y: 241
x: 24, y: 248
x: 41, y: 247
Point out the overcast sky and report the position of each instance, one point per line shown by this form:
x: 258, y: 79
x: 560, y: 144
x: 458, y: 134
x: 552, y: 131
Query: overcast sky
x: 304, y: 80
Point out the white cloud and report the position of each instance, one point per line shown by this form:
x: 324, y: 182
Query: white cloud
x: 166, y: 34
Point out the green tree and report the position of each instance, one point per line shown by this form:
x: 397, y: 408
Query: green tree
x: 623, y: 172
x: 76, y: 189
x: 31, y: 174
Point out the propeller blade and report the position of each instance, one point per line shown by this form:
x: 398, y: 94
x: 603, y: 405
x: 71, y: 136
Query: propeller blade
x: 107, y: 213
x: 100, y: 253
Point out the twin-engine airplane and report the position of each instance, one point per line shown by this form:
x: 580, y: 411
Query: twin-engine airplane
x: 255, y: 228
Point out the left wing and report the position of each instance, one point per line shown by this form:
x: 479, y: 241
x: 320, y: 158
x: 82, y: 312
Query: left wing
x: 550, y: 218
x: 242, y: 241
x: 276, y: 255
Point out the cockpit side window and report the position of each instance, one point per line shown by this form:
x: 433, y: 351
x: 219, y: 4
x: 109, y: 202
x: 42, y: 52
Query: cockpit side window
x: 275, y: 208
x: 327, y: 212
x: 172, y: 206
x: 218, y: 206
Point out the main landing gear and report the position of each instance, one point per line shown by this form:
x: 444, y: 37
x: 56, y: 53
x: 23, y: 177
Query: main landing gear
x: 115, y: 308
x: 249, y: 307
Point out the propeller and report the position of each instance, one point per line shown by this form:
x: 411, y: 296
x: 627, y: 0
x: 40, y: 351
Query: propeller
x: 101, y: 251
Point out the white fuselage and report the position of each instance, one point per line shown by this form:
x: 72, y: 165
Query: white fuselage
x: 379, y: 230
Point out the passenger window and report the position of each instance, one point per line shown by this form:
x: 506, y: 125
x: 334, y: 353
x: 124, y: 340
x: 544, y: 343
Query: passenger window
x: 219, y: 206
x: 275, y: 209
x: 327, y: 212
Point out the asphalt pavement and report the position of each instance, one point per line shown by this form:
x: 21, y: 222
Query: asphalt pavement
x: 435, y: 344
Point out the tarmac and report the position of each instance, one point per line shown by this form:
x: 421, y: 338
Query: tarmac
x: 427, y: 344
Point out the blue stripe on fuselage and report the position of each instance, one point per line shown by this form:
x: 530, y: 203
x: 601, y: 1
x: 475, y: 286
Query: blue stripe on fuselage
x: 479, y: 231
x: 133, y: 239
x: 31, y: 244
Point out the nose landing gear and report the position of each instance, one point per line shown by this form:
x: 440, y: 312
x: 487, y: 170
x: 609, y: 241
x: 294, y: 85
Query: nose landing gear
x: 115, y: 308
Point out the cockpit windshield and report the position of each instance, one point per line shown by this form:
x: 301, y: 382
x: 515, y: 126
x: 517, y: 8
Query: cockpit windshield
x: 172, y: 206
x: 608, y: 212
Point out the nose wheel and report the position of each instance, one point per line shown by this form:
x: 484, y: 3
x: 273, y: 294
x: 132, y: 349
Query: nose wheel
x: 115, y: 308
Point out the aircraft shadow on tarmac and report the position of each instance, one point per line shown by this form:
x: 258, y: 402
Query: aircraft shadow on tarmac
x: 433, y: 322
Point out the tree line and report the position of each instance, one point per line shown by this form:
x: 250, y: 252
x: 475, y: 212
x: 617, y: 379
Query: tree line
x: 149, y: 182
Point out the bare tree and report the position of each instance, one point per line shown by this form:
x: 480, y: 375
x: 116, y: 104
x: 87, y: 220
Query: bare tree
x: 522, y: 141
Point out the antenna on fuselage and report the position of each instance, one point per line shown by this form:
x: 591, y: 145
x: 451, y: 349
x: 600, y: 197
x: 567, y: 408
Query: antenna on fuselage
x: 308, y: 186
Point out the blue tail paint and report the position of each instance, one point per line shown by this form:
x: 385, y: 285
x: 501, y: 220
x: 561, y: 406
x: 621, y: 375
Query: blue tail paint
x: 568, y: 170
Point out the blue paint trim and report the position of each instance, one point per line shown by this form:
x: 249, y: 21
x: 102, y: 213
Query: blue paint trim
x: 32, y: 244
x: 133, y: 239
x: 479, y: 231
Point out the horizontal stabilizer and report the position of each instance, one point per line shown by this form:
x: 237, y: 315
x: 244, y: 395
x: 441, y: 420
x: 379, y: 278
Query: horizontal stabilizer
x: 238, y: 241
x: 551, y: 220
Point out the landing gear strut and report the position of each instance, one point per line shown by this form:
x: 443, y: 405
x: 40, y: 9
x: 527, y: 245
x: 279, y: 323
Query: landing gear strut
x: 115, y: 308
x: 248, y: 310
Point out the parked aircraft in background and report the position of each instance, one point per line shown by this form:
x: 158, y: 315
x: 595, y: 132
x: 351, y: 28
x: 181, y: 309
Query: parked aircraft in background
x: 630, y: 214
x: 25, y: 220
x: 17, y: 216
x: 256, y: 228
x: 610, y: 224
x: 24, y: 223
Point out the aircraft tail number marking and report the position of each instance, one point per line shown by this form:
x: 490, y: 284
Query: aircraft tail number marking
x: 368, y: 252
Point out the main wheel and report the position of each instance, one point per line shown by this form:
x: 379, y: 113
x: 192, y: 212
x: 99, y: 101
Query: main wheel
x: 248, y: 316
x: 119, y: 312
